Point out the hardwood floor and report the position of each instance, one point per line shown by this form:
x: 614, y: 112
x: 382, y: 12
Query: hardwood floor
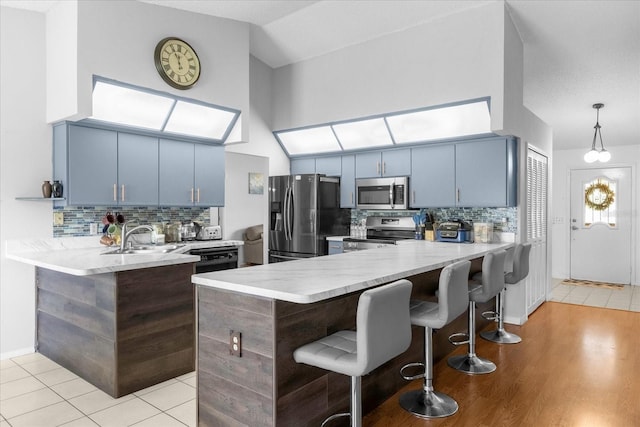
x: 576, y: 366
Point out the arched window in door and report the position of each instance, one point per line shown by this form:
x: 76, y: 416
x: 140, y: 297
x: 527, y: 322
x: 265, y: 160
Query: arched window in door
x: 600, y: 202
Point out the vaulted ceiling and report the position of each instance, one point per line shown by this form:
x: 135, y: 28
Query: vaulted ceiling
x: 576, y: 53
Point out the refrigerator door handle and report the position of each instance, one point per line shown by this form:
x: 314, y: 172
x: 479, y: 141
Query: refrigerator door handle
x: 286, y: 214
x: 292, y: 213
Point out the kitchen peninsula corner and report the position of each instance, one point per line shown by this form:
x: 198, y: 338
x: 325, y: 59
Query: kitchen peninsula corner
x: 279, y: 307
x: 121, y: 322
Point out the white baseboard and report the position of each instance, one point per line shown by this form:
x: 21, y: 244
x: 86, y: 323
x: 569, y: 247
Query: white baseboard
x: 16, y: 353
x: 513, y: 320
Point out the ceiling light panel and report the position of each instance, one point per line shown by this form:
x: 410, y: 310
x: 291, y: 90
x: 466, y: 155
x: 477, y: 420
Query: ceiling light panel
x: 310, y: 140
x: 199, y: 120
x: 441, y: 123
x: 363, y: 134
x: 126, y: 106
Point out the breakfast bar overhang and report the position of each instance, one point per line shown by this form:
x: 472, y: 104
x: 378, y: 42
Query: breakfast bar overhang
x: 268, y: 311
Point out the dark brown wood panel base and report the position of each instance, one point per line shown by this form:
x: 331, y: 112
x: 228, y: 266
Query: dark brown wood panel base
x: 265, y: 386
x: 120, y: 331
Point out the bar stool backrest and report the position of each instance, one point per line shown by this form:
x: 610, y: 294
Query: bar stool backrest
x: 520, y: 264
x: 493, y: 273
x: 453, y: 291
x: 383, y: 324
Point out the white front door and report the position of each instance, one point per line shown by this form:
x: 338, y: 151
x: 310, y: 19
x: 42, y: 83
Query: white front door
x: 601, y: 225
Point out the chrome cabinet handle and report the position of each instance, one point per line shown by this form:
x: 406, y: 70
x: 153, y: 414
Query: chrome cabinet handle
x: 378, y: 168
x: 115, y: 194
x: 384, y: 168
x: 191, y: 194
x: 122, y: 192
x: 198, y: 194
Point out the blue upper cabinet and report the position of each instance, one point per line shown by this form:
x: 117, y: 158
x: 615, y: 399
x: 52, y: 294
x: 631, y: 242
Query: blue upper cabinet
x: 329, y: 166
x: 209, y: 175
x: 348, y: 182
x: 191, y: 174
x: 383, y: 163
x: 303, y: 166
x: 92, y: 166
x: 433, y: 176
x: 476, y: 173
x: 137, y: 170
x: 486, y: 173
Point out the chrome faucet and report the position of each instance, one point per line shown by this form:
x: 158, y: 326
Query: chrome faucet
x: 126, y: 234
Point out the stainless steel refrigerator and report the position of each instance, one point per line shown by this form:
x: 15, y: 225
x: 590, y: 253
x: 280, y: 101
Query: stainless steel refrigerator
x: 304, y: 210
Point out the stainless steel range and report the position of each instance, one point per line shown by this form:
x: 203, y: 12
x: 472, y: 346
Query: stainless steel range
x: 382, y: 231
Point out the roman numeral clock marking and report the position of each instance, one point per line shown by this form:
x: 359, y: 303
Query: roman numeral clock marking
x: 177, y: 63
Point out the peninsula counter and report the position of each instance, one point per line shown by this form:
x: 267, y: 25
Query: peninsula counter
x: 276, y: 308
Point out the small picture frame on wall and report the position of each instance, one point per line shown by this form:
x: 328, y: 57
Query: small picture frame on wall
x: 256, y: 183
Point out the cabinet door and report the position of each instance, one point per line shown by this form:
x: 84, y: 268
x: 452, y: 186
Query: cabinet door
x: 396, y: 162
x: 433, y: 177
x: 137, y: 170
x: 485, y: 173
x: 302, y: 166
x: 93, y: 166
x: 176, y: 169
x: 209, y: 175
x: 348, y: 182
x: 335, y: 247
x: 369, y: 165
x: 330, y: 166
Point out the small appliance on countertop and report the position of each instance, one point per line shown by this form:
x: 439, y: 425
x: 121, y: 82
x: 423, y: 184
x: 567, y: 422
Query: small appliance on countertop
x: 209, y: 232
x: 456, y: 231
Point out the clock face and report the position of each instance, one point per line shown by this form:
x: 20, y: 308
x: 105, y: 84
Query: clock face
x: 177, y: 63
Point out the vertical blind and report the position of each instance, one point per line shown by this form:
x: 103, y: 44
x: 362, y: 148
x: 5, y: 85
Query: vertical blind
x: 536, y: 195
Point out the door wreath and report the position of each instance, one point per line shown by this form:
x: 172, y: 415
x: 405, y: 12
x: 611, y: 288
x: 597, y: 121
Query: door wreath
x: 598, y: 196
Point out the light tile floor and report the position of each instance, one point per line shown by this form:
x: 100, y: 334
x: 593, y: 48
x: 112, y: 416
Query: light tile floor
x: 34, y: 392
x: 627, y: 298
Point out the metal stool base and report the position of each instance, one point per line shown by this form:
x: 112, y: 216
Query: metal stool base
x: 471, y: 364
x: 428, y: 404
x: 501, y: 337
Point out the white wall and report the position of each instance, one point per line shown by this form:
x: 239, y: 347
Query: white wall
x: 452, y: 59
x: 563, y: 162
x: 262, y: 141
x: 242, y: 209
x: 25, y: 155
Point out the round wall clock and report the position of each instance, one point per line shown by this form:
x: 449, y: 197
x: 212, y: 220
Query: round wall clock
x: 177, y: 63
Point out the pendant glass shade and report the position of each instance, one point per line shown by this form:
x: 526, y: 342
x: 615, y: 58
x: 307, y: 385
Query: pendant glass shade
x: 591, y: 156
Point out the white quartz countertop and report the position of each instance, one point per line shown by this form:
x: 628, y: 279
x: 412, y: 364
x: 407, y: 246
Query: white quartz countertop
x: 83, y: 256
x: 315, y: 279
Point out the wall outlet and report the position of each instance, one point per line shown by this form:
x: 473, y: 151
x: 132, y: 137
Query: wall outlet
x: 58, y: 218
x: 235, y: 343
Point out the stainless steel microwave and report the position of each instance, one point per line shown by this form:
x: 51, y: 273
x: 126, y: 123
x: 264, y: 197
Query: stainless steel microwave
x: 382, y: 193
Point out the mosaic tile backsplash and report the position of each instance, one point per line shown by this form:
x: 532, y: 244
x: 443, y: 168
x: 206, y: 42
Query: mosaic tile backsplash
x: 503, y: 219
x: 78, y: 220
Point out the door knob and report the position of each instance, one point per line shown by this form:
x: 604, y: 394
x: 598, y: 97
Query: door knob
x: 573, y: 227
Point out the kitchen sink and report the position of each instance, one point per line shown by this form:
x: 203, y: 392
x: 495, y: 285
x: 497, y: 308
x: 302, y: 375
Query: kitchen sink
x: 144, y: 249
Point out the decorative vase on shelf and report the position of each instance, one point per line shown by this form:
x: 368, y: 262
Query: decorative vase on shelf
x: 56, y: 189
x: 46, y: 189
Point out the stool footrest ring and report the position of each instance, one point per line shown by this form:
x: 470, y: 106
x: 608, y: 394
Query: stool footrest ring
x: 412, y: 365
x: 490, y: 315
x: 334, y: 416
x: 452, y: 338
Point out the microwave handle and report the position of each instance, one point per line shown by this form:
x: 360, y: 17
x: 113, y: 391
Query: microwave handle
x: 392, y: 194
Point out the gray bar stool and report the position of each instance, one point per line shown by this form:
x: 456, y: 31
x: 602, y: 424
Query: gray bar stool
x: 491, y: 285
x: 383, y: 331
x: 519, y: 272
x: 453, y: 297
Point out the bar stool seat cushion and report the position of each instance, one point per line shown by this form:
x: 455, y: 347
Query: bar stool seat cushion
x: 336, y: 353
x: 383, y: 331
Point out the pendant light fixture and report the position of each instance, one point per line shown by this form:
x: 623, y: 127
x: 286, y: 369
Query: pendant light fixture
x: 602, y: 154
